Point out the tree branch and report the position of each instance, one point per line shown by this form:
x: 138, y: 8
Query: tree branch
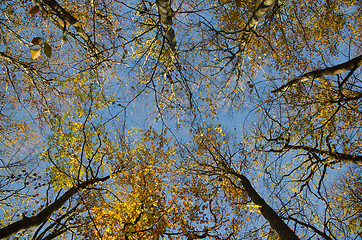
x: 259, y: 12
x: 343, y: 157
x: 27, y: 67
x: 340, y: 68
x: 322, y: 234
x: 65, y: 16
x: 28, y: 222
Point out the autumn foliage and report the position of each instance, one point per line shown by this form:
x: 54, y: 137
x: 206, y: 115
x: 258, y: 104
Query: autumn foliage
x: 195, y: 119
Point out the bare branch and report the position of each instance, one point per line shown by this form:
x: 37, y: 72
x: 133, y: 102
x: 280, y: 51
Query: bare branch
x: 340, y: 68
x: 28, y: 222
x: 340, y: 157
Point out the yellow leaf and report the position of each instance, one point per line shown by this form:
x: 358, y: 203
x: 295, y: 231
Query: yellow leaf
x: 77, y: 24
x: 35, y: 53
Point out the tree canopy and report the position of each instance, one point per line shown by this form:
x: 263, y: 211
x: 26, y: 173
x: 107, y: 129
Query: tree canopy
x: 193, y: 119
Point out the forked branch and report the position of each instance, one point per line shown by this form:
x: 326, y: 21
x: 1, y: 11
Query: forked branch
x: 28, y: 222
x: 340, y: 68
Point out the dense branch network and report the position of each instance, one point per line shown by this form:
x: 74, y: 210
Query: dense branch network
x: 28, y: 222
x: 66, y: 17
x: 204, y: 182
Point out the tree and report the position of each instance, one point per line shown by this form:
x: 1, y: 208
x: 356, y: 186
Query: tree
x: 312, y: 129
x: 118, y: 108
x: 315, y: 120
x: 148, y: 201
x: 214, y: 155
x: 42, y: 216
x: 347, y: 201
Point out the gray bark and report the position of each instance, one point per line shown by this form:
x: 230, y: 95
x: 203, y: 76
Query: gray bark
x: 28, y: 222
x: 282, y: 229
x: 340, y: 68
x: 259, y: 12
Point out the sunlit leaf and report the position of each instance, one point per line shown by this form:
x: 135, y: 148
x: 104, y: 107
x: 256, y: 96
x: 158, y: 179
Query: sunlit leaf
x: 77, y: 24
x: 35, y: 53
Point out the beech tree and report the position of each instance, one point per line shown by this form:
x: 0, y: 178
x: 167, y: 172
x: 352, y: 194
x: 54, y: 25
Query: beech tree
x: 114, y: 119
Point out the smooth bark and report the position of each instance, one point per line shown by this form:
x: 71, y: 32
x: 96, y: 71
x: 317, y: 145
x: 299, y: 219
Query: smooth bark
x: 28, y: 222
x: 282, y: 229
x: 340, y: 68
x: 259, y: 12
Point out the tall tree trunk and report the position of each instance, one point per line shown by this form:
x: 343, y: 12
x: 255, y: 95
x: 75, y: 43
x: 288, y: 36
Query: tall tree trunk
x: 166, y: 14
x: 28, y: 222
x: 259, y: 12
x: 282, y: 229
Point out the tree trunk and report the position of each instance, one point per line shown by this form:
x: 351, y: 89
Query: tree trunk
x: 28, y: 222
x: 340, y: 157
x: 282, y: 229
x: 259, y: 12
x: 166, y: 14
